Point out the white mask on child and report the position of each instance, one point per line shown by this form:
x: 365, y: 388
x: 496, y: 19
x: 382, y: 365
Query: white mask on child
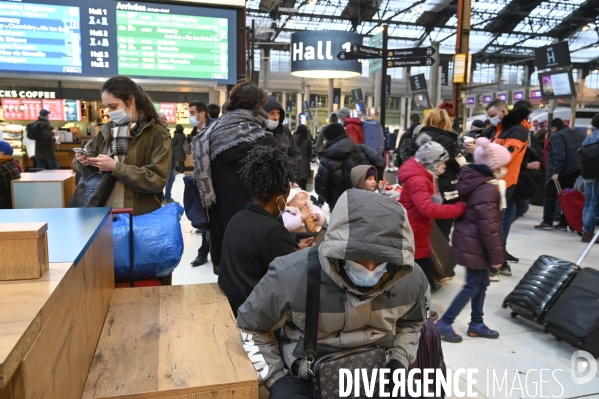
x: 361, y: 276
x: 501, y: 174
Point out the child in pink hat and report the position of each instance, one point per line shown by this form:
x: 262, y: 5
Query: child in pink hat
x: 476, y: 241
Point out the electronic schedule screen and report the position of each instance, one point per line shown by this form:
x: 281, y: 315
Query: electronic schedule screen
x: 103, y: 38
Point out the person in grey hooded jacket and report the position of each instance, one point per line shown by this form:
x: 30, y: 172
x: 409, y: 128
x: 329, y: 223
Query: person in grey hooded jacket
x: 372, y: 293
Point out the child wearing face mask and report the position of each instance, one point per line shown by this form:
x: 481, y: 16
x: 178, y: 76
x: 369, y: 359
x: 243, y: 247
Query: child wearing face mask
x: 477, y: 242
x: 420, y: 196
x: 301, y: 216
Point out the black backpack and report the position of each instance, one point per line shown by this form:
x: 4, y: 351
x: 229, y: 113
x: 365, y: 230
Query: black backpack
x: 356, y: 158
x: 33, y: 131
x: 589, y: 161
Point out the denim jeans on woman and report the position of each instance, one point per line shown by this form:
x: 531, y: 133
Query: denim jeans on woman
x: 591, y: 205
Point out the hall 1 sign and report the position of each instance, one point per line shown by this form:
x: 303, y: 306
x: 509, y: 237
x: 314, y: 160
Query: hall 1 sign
x: 337, y: 96
x: 418, y: 82
x: 445, y: 73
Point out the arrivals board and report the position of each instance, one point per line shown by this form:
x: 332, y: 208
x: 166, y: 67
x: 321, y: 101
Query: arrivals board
x: 103, y: 38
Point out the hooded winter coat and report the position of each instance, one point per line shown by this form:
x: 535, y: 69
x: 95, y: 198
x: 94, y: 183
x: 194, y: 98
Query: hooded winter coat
x: 563, y: 158
x: 178, y: 151
x: 476, y: 241
x: 283, y: 136
x: 353, y: 128
x: 448, y: 181
x: 418, y: 187
x: 330, y: 182
x: 358, y: 175
x: 44, y: 145
x: 390, y: 314
x: 512, y: 133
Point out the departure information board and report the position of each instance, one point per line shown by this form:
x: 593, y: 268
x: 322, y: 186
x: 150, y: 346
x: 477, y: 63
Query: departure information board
x: 103, y: 38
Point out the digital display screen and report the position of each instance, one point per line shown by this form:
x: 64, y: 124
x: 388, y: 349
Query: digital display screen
x: 558, y: 84
x: 104, y: 38
x: 470, y: 100
x: 536, y: 94
x: 518, y: 95
x: 302, y: 119
x: 487, y: 99
x: 502, y: 96
x: 28, y: 110
x: 420, y: 101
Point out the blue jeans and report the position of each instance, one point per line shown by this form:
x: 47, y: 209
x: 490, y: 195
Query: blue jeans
x: 47, y: 164
x: 514, y: 210
x: 591, y: 205
x: 169, y: 184
x: 474, y: 291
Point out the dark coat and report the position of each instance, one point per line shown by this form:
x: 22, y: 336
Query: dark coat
x: 476, y: 241
x: 418, y: 187
x: 178, y: 152
x: 305, y: 150
x: 8, y: 172
x: 448, y: 181
x: 246, y: 257
x: 329, y: 182
x: 284, y: 137
x: 563, y: 159
x: 44, y: 145
x: 232, y: 195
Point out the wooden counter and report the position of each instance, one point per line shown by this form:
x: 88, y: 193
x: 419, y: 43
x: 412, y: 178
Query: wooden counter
x: 175, y: 342
x: 49, y: 327
x: 45, y: 189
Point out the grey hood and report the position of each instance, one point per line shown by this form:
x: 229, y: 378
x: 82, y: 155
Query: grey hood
x: 380, y: 233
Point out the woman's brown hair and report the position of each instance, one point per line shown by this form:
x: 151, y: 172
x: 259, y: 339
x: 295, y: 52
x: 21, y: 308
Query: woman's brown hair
x: 246, y: 96
x: 124, y: 88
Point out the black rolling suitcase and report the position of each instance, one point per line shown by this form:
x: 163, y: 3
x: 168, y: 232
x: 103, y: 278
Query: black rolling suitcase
x: 574, y: 317
x: 542, y: 285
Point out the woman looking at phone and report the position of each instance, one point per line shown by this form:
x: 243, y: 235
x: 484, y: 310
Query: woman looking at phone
x: 134, y: 147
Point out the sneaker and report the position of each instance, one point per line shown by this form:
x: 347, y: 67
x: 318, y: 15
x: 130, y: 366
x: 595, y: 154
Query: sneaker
x: 561, y: 228
x: 511, y: 258
x: 505, y: 270
x: 544, y: 226
x: 446, y: 331
x: 494, y: 275
x: 448, y: 277
x: 481, y: 330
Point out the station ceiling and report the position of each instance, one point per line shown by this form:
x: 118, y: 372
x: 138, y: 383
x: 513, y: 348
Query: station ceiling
x: 501, y: 30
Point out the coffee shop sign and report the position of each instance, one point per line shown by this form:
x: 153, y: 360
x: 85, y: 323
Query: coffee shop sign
x: 27, y: 94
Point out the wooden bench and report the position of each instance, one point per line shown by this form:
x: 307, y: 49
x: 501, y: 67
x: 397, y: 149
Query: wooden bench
x: 175, y: 342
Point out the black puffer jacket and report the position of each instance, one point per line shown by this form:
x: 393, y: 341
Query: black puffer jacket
x: 563, y: 156
x: 448, y: 181
x: 329, y: 182
x: 283, y: 136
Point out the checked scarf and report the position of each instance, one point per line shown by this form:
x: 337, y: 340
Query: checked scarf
x: 236, y: 127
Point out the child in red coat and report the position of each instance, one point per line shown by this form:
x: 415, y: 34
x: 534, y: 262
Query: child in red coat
x: 476, y: 241
x: 420, y: 196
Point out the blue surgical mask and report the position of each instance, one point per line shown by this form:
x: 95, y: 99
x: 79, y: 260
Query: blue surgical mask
x: 120, y: 116
x: 361, y: 276
x: 495, y: 120
x: 193, y: 121
x: 272, y: 125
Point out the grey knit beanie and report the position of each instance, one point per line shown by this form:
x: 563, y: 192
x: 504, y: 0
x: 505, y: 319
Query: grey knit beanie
x: 430, y: 154
x: 343, y: 113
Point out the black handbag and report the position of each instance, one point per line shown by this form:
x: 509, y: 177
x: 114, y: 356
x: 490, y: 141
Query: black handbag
x: 324, y: 371
x: 93, y: 190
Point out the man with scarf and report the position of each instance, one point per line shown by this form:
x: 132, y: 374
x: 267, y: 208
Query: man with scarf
x: 511, y: 131
x: 276, y: 116
x: 216, y: 155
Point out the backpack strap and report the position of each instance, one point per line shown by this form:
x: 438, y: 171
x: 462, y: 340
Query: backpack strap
x: 312, y: 304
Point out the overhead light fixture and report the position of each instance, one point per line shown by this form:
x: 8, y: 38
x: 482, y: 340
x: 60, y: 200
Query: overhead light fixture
x: 592, y: 26
x: 585, y: 28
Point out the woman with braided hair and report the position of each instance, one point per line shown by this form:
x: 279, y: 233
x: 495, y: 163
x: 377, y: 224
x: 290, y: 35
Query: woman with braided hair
x: 267, y: 173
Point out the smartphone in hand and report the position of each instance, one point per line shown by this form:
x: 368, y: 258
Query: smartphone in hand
x: 82, y: 151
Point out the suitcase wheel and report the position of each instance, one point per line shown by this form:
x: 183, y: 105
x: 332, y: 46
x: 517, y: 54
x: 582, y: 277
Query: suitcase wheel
x: 504, y: 305
x: 514, y: 315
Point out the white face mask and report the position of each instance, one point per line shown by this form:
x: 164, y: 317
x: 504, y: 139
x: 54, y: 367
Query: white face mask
x: 361, y: 276
x: 272, y: 125
x: 193, y: 121
x: 501, y: 174
x: 120, y: 116
x: 495, y: 120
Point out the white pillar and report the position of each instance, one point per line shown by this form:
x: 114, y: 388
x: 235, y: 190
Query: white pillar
x: 211, y: 95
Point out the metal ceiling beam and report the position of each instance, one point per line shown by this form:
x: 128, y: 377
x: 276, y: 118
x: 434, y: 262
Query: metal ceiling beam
x: 440, y: 18
x: 513, y: 13
x: 587, y: 13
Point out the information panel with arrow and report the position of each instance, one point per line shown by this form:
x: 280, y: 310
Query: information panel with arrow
x: 411, y: 52
x: 411, y: 62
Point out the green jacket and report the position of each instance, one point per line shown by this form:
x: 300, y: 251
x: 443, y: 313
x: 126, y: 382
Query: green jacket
x: 146, y: 168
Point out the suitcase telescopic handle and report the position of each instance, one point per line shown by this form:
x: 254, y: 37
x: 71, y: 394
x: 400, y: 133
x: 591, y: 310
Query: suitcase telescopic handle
x: 559, y: 188
x: 587, y: 249
x: 120, y: 211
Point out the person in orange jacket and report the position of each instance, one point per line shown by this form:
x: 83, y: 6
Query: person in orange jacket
x: 511, y: 131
